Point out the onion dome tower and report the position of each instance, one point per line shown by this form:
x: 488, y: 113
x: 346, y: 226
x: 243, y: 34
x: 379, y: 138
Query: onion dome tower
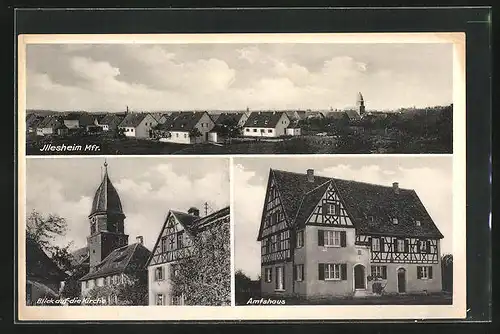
x: 107, y: 230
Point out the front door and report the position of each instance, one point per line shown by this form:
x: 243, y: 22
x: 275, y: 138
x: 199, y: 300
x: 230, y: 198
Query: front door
x: 359, y: 277
x: 401, y: 280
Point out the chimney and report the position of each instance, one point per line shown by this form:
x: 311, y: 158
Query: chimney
x: 310, y: 175
x: 194, y: 211
x: 395, y: 186
x: 139, y: 239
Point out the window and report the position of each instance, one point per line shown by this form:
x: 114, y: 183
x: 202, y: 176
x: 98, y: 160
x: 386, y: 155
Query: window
x: 332, y: 208
x: 254, y: 130
x: 332, y: 238
x: 177, y: 134
x: 108, y: 280
x: 261, y: 130
x: 180, y: 239
x: 123, y: 279
x: 424, y: 272
x: 270, y: 131
x: 376, y: 244
x: 395, y: 221
x: 300, y: 239
x: 159, y: 299
x: 93, y: 227
x: 177, y: 300
x: 247, y: 130
x: 379, y: 271
x: 268, y: 274
x: 171, y: 242
x: 280, y: 278
x: 86, y: 284
x: 164, y: 244
x: 400, y: 246
x: 417, y: 222
x: 175, y: 270
x: 423, y: 246
x: 185, y: 135
x: 159, y: 274
x: 332, y: 271
x: 299, y: 272
x: 115, y: 279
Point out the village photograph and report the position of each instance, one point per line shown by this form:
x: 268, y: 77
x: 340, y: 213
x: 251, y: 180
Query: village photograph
x: 237, y: 98
x: 343, y: 230
x: 127, y: 231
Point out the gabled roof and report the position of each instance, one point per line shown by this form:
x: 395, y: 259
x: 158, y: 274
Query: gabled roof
x: 353, y: 115
x: 264, y: 119
x: 33, y: 120
x: 133, y: 120
x: 191, y: 223
x: 39, y: 265
x: 228, y: 117
x: 315, y: 114
x: 109, y: 119
x: 182, y: 121
x: 126, y: 259
x: 337, y: 115
x: 80, y: 256
x: 50, y: 122
x: 361, y: 201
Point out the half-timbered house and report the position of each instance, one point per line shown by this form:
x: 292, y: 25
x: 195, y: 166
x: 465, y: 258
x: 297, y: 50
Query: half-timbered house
x: 323, y: 236
x: 172, y: 245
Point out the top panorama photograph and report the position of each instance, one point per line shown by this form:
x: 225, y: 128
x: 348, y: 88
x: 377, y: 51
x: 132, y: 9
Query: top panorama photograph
x: 228, y: 98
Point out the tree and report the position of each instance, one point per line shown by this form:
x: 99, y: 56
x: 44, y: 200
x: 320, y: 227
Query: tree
x: 229, y: 128
x: 43, y: 230
x: 204, y: 274
x: 447, y: 272
x: 134, y: 292
x: 194, y: 133
x: 242, y: 286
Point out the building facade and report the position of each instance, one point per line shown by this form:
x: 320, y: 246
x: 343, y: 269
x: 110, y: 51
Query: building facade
x: 138, y: 125
x: 266, y: 124
x: 326, y: 237
x: 112, y: 261
x: 173, y: 244
x: 180, y: 127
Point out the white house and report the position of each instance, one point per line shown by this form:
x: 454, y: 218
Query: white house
x: 138, y: 125
x: 266, y: 124
x: 178, y: 127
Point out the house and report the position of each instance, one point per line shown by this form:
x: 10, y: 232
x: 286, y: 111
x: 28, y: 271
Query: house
x: 314, y: 115
x: 293, y: 129
x: 32, y: 122
x: 164, y: 116
x: 75, y: 120
x: 110, y: 122
x: 43, y: 276
x: 353, y: 115
x: 112, y: 261
x: 138, y: 125
x: 51, y: 125
x: 180, y: 127
x: 173, y: 244
x: 236, y: 118
x: 266, y: 124
x: 296, y: 115
x: 322, y: 236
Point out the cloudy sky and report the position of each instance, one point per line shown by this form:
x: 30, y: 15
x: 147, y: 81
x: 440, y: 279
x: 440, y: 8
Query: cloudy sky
x: 430, y: 177
x: 107, y: 77
x: 148, y: 188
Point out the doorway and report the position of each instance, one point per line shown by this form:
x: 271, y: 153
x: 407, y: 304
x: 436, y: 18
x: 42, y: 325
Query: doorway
x: 401, y: 280
x: 359, y: 277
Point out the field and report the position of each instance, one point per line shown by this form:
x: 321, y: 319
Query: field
x: 309, y: 144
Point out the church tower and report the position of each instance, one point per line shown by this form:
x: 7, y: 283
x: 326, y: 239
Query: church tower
x: 360, y: 104
x: 107, y: 230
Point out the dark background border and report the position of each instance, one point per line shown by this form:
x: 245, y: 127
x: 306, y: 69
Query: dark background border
x: 476, y: 22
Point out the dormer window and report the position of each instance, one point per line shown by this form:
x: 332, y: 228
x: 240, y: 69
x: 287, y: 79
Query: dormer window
x: 417, y: 222
x: 395, y: 221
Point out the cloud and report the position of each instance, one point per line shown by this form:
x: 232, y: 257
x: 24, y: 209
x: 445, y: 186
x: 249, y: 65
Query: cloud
x: 225, y: 76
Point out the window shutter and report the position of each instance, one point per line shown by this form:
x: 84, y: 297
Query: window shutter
x: 395, y: 245
x: 381, y: 244
x: 428, y: 246
x: 294, y: 273
x: 343, y: 238
x: 302, y: 269
x: 343, y: 271
x: 321, y: 238
x: 419, y: 272
x: 283, y: 277
x: 384, y: 272
x: 430, y: 272
x: 321, y: 271
x: 407, y: 246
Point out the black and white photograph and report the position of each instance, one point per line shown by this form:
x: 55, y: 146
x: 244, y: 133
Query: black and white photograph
x: 343, y: 231
x: 238, y: 98
x: 127, y: 232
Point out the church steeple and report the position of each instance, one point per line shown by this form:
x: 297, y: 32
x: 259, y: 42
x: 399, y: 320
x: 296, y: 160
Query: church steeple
x: 107, y: 230
x: 360, y: 103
